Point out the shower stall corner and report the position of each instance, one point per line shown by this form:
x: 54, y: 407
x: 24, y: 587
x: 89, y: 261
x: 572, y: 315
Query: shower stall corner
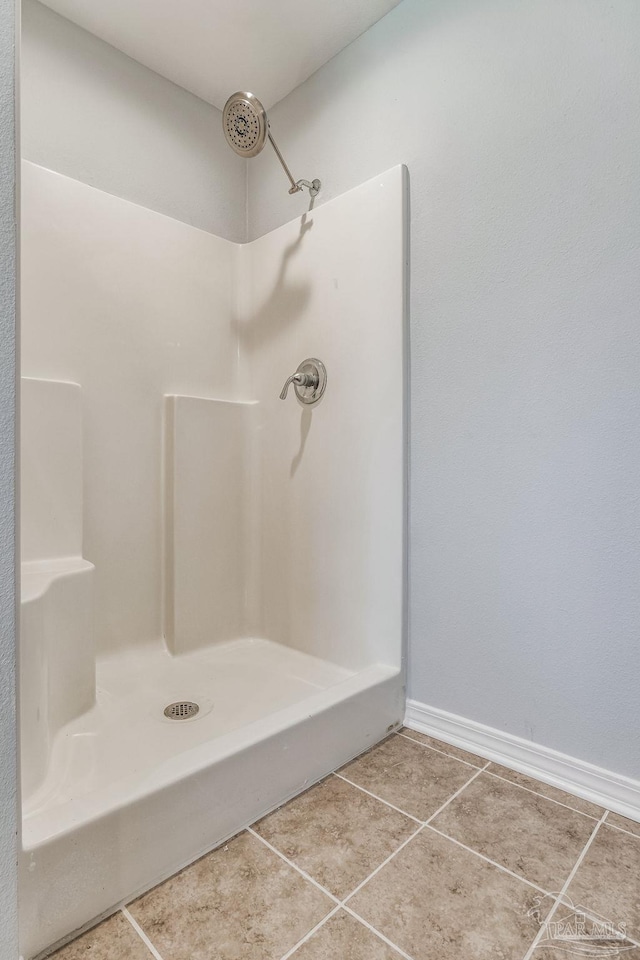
x: 189, y: 537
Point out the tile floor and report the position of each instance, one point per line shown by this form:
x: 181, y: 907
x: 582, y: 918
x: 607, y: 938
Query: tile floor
x: 416, y: 850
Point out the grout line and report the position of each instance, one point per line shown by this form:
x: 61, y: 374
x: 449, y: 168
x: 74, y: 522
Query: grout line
x: 443, y: 753
x: 565, y: 886
x: 311, y: 932
x: 342, y: 903
x: 537, y: 793
x: 539, y: 934
x: 338, y: 903
x: 273, y: 849
x: 303, y: 873
x: 381, y: 936
x: 376, y: 797
x: 383, y: 864
x: 629, y: 833
x: 493, y: 863
x: 457, y: 793
x: 409, y: 839
x: 138, y: 929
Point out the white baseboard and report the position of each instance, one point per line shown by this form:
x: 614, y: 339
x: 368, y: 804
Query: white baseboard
x: 611, y: 790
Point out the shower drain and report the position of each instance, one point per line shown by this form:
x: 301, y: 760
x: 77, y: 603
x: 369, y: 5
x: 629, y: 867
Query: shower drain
x: 181, y: 710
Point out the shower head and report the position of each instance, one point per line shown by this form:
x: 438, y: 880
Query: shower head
x: 245, y: 124
x: 246, y: 127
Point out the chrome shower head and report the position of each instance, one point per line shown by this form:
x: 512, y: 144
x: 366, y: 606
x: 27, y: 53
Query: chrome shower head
x: 246, y: 127
x: 245, y: 124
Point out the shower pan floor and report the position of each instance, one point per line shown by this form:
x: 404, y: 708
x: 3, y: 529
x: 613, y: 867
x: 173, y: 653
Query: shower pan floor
x: 132, y: 796
x: 126, y: 735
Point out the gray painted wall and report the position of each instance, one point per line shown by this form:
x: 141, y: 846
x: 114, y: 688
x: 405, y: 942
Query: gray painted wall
x: 519, y: 125
x: 91, y: 113
x: 8, y: 763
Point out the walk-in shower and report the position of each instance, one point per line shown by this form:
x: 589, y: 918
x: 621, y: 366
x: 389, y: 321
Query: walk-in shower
x: 212, y: 579
x: 246, y: 127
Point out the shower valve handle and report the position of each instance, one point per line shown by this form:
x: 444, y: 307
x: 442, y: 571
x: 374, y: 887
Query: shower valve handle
x: 309, y: 381
x: 302, y: 379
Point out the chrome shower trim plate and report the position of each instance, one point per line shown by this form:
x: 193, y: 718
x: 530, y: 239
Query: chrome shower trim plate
x: 309, y: 381
x: 317, y: 372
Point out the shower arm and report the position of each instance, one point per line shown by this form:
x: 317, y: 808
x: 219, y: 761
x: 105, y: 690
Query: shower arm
x: 296, y: 185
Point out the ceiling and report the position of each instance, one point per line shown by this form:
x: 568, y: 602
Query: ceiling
x: 214, y: 47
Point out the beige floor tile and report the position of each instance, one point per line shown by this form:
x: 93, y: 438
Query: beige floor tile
x: 336, y: 833
x: 115, y: 939
x: 437, y: 901
x: 403, y: 773
x: 631, y: 826
x: 444, y: 747
x: 343, y: 938
x: 583, y: 806
x: 567, y: 934
x: 559, y: 940
x: 608, y: 879
x: 616, y: 950
x: 537, y: 839
x: 241, y: 902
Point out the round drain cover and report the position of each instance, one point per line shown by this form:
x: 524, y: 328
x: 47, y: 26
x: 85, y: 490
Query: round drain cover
x: 181, y: 710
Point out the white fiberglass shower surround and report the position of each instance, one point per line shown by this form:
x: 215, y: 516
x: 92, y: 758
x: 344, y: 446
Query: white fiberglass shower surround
x: 188, y: 536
